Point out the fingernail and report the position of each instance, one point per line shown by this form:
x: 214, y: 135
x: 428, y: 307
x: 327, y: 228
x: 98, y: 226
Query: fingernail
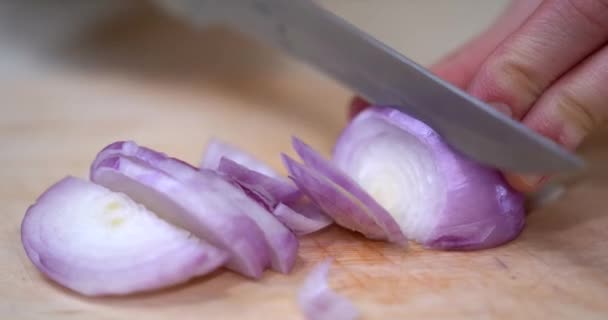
x: 525, y: 183
x: 546, y: 195
x: 502, y: 108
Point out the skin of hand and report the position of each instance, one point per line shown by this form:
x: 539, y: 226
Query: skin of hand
x: 542, y: 62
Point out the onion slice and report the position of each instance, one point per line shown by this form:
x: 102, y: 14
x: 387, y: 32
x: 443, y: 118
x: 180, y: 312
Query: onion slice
x: 283, y: 243
x: 341, y: 206
x: 340, y: 197
x: 271, y: 191
x: 206, y: 213
x: 178, y: 169
x: 319, y: 302
x: 217, y: 149
x: 98, y: 242
x: 302, y: 221
x: 439, y: 197
x: 280, y: 240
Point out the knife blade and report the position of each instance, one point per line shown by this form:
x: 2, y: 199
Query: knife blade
x: 383, y: 76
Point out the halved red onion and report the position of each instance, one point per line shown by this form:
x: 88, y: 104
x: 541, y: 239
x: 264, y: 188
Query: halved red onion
x: 439, y: 197
x: 340, y: 197
x: 216, y: 150
x: 319, y: 302
x: 99, y: 242
x: 282, y: 242
x: 203, y: 210
x: 270, y: 190
x: 302, y: 220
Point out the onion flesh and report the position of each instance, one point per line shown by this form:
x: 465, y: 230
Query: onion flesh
x: 342, y: 207
x: 319, y: 302
x: 217, y: 149
x: 357, y: 210
x: 303, y: 220
x: 99, y: 242
x: 271, y: 191
x: 439, y: 197
x: 206, y: 213
x: 280, y: 240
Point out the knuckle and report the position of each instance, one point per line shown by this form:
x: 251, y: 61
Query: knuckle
x: 514, y: 83
x: 578, y: 113
x: 593, y: 11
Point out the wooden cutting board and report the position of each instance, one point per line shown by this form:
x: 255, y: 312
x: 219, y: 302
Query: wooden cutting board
x: 53, y: 125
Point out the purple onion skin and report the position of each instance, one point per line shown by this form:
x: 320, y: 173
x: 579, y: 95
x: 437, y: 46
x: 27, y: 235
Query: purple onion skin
x: 481, y: 210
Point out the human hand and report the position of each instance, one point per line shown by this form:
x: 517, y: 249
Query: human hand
x: 543, y: 62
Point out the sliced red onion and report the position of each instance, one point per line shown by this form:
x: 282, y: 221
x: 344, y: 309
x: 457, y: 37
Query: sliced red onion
x: 439, y: 197
x: 319, y: 302
x: 98, y: 242
x: 302, y: 222
x: 282, y: 242
x: 339, y: 204
x: 216, y: 150
x: 340, y: 197
x: 270, y: 190
x: 205, y: 212
x: 176, y: 168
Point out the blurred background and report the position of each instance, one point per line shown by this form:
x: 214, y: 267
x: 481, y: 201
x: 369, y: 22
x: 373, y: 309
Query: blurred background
x: 34, y: 32
x: 87, y: 73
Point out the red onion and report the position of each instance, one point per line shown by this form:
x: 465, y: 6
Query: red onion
x: 98, y: 242
x: 319, y: 302
x: 340, y: 197
x: 280, y: 240
x: 205, y: 213
x: 216, y: 150
x: 439, y: 197
x: 271, y: 191
x: 303, y: 219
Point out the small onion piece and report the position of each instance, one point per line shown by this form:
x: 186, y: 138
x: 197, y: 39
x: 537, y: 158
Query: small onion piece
x: 303, y: 222
x: 282, y: 242
x: 319, y: 302
x: 176, y: 168
x: 369, y: 217
x: 439, y: 197
x: 271, y: 190
x: 217, y: 149
x: 99, y: 242
x: 205, y: 213
x: 341, y: 206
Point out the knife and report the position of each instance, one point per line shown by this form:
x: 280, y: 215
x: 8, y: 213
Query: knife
x: 383, y: 76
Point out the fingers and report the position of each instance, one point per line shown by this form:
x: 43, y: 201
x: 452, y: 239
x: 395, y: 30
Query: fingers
x: 551, y: 41
x: 460, y: 66
x: 572, y: 108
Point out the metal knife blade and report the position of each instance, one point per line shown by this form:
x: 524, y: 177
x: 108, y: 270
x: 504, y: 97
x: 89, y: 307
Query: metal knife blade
x: 383, y: 76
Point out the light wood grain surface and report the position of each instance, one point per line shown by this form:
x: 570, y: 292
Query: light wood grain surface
x: 152, y: 80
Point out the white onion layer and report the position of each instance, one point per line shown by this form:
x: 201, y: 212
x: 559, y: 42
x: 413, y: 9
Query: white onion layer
x: 99, y: 242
